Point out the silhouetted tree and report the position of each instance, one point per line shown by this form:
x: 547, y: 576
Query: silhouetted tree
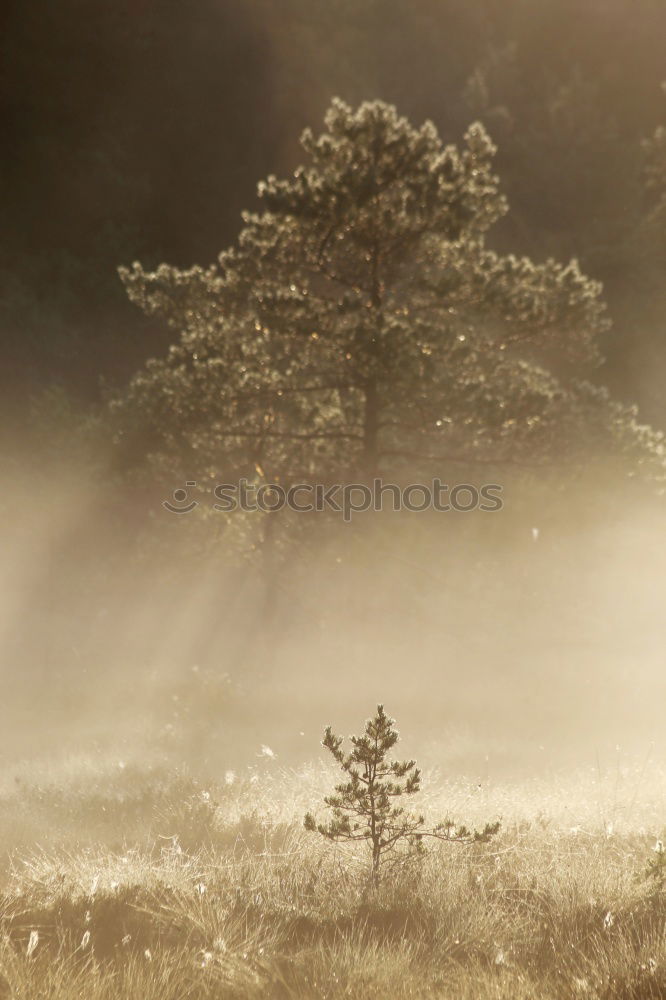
x: 361, y: 324
x: 366, y: 804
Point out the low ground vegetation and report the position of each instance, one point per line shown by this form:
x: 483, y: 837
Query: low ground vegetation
x: 141, y: 883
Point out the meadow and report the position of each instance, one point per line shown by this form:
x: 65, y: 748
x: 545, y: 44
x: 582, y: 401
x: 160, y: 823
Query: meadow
x: 148, y: 882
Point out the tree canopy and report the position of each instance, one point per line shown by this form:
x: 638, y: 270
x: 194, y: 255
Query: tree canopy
x: 362, y: 324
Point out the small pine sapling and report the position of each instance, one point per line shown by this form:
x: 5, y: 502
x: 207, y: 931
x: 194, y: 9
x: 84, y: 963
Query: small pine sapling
x: 364, y: 806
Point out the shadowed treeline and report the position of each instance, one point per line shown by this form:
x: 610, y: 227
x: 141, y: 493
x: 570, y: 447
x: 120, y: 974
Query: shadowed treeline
x: 138, y: 131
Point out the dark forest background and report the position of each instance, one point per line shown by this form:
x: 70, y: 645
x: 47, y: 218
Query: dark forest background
x: 138, y: 130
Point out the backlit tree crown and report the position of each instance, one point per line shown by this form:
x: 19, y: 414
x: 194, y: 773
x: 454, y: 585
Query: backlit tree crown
x: 361, y: 323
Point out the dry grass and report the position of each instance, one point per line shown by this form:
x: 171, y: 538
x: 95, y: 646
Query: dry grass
x: 122, y: 882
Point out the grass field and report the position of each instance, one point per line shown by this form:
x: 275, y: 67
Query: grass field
x: 144, y: 883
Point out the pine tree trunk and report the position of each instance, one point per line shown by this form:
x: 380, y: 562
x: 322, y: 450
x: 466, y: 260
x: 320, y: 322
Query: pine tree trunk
x: 376, y: 855
x: 371, y: 414
x: 370, y: 430
x: 270, y: 571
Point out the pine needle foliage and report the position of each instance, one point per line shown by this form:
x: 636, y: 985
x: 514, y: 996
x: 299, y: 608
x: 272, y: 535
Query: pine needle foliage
x: 362, y: 325
x: 365, y: 806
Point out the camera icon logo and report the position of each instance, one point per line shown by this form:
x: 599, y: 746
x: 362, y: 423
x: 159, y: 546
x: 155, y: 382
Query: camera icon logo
x: 180, y: 498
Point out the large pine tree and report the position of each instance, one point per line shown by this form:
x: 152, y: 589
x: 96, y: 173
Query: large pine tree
x: 362, y: 326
